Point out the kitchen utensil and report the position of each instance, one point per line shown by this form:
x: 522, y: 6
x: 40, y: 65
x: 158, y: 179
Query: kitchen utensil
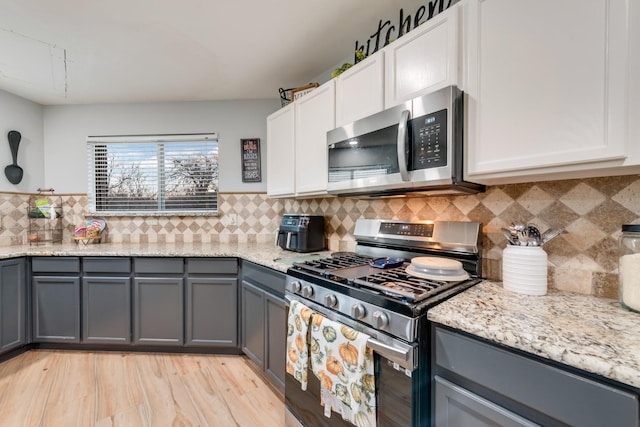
x: 14, y: 172
x: 437, y: 268
x: 509, y: 236
x: 550, y: 234
x: 533, y: 235
x: 386, y: 262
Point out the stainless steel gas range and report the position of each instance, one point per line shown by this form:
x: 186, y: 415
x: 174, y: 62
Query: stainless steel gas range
x: 384, y: 289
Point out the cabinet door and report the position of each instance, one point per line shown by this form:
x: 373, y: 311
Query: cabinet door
x: 56, y: 309
x: 253, y: 327
x: 276, y: 336
x: 280, y: 153
x: 545, y: 98
x: 106, y: 310
x: 360, y: 90
x: 423, y: 60
x: 159, y: 311
x: 314, y: 116
x: 12, y: 304
x: 456, y: 406
x: 211, y: 317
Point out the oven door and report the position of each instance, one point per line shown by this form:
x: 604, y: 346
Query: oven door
x: 400, y: 386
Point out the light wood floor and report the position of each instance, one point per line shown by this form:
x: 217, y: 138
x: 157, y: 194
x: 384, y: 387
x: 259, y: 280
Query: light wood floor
x: 69, y: 388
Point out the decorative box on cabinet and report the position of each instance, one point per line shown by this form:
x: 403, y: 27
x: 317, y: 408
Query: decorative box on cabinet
x: 423, y: 60
x: 545, y: 101
x: 475, y: 382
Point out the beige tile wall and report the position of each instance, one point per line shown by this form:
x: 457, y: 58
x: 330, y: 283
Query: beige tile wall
x: 582, y: 260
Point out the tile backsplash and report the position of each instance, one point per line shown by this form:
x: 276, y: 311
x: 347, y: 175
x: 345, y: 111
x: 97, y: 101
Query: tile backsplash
x: 583, y: 260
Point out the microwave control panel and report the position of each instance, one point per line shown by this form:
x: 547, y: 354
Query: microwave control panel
x: 429, y: 141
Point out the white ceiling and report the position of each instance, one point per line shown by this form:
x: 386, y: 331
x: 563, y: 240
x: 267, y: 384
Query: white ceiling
x: 90, y: 51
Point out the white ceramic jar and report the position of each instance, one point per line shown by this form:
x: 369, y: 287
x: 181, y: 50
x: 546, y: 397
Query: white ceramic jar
x: 524, y: 269
x: 629, y: 267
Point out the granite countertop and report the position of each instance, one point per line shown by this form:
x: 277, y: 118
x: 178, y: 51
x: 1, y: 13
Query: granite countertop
x: 266, y: 254
x: 585, y: 332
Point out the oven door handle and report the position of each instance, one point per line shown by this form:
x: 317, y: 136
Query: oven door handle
x: 389, y: 352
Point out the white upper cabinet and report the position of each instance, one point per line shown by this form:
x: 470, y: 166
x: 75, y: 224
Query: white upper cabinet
x: 314, y: 116
x: 360, y: 90
x: 423, y: 60
x: 280, y: 153
x: 546, y: 86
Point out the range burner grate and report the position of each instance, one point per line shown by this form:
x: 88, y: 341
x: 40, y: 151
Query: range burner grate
x: 337, y: 260
x: 397, y: 283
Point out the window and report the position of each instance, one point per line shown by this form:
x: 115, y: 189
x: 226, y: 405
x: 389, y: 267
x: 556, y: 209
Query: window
x: 131, y: 175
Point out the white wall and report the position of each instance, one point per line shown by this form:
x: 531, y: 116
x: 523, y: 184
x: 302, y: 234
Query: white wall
x: 26, y: 117
x: 67, y: 126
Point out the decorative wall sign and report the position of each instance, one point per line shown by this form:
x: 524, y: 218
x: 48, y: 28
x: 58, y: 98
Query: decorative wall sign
x: 251, y: 171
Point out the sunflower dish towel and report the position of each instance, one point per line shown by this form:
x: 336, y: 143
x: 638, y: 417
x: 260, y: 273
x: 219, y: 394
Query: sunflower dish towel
x: 344, y: 365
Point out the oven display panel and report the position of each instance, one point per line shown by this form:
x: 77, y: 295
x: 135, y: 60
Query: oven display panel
x: 403, y: 229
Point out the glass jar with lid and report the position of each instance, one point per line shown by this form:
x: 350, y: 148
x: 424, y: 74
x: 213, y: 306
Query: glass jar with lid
x: 629, y: 267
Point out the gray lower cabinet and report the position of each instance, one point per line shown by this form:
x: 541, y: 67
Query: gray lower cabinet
x: 212, y: 313
x: 479, y: 384
x: 253, y: 325
x: 13, y: 319
x: 211, y: 316
x: 276, y: 344
x: 263, y: 317
x: 106, y: 310
x: 56, y: 309
x: 159, y: 311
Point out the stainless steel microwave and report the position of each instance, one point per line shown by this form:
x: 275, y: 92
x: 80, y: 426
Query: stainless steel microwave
x: 413, y: 148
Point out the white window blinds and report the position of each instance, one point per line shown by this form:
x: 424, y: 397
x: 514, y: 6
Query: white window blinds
x: 131, y: 175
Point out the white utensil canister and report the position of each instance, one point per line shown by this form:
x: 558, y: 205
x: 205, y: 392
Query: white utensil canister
x: 524, y: 269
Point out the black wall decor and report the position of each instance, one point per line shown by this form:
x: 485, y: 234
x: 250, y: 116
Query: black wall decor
x: 251, y: 171
x: 386, y: 32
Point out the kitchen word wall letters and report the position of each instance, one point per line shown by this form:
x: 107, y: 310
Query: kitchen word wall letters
x: 433, y: 8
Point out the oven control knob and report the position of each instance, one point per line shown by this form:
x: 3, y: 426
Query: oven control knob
x: 307, y: 291
x: 330, y: 300
x: 358, y: 311
x: 380, y: 320
x: 296, y: 286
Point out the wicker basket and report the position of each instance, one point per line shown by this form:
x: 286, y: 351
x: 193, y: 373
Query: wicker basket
x: 289, y: 95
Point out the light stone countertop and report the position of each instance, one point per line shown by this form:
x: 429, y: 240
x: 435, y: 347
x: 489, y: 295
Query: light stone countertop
x: 585, y: 332
x: 268, y: 255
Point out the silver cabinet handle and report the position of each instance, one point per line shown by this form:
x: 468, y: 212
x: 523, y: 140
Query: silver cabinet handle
x: 402, y: 144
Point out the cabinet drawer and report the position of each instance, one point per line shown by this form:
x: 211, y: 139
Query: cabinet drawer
x: 106, y: 265
x: 212, y: 265
x: 264, y: 277
x: 545, y: 389
x: 158, y: 265
x: 55, y: 264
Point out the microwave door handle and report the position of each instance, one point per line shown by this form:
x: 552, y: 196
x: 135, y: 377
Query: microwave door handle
x: 402, y: 144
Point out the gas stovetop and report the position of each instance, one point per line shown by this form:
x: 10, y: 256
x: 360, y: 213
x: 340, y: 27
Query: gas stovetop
x: 388, y: 299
